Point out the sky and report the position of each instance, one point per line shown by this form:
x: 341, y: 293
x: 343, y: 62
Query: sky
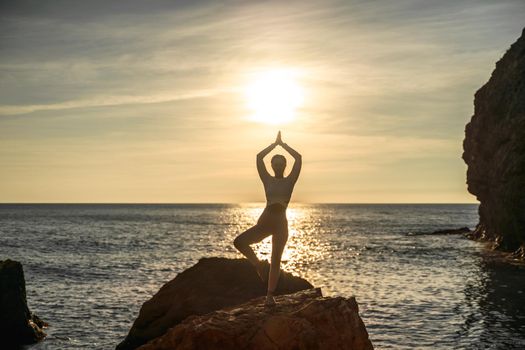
x: 147, y: 102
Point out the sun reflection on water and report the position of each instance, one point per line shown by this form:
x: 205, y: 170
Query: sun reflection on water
x: 420, y: 291
x: 303, y: 248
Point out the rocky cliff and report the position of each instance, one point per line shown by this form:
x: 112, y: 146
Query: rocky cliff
x: 18, y: 325
x: 209, y: 285
x: 303, y: 320
x: 494, y: 150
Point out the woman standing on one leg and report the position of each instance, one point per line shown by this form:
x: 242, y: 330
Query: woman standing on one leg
x: 273, y: 221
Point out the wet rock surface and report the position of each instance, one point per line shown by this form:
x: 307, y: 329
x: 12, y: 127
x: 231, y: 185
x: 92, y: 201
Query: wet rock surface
x: 303, y: 320
x: 18, y: 325
x: 494, y: 150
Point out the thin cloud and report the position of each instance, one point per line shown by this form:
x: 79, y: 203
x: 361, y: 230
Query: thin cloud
x: 121, y: 85
x: 110, y: 101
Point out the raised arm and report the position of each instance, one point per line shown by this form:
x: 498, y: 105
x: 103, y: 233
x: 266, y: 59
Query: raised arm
x: 294, y: 174
x: 261, y: 168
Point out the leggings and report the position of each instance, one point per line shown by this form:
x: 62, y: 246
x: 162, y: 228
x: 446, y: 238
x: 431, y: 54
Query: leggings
x: 273, y: 222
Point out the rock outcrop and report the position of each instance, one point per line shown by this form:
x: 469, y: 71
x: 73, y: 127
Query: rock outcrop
x: 18, y: 326
x: 494, y: 150
x: 303, y: 320
x: 452, y: 231
x: 211, y: 284
x: 465, y: 231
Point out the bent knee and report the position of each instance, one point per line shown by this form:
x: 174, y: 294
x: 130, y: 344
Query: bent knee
x: 238, y: 242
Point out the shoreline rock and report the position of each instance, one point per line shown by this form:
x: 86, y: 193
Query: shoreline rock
x: 303, y: 320
x: 18, y: 325
x: 451, y: 231
x: 211, y: 284
x: 494, y: 151
x: 455, y: 231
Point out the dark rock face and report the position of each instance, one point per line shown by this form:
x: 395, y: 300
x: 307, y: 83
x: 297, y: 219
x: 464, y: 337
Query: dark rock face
x: 303, y: 320
x: 18, y: 326
x: 209, y: 285
x: 494, y: 150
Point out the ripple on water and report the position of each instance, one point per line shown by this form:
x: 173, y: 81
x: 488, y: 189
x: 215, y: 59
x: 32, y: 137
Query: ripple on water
x: 89, y: 268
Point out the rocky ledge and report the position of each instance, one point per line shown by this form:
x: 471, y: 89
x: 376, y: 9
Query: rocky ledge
x: 211, y: 284
x: 453, y: 231
x: 494, y: 150
x: 303, y: 320
x: 18, y: 325
x: 218, y: 304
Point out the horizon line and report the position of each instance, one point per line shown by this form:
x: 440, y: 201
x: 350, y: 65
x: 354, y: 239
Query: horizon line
x: 232, y: 203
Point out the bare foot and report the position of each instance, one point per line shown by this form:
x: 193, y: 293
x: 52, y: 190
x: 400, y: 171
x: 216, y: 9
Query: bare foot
x: 270, y: 301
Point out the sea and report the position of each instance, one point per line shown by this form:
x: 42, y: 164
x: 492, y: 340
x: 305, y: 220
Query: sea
x: 90, y: 267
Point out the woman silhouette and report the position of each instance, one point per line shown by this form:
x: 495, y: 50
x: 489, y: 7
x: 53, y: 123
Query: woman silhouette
x: 273, y: 221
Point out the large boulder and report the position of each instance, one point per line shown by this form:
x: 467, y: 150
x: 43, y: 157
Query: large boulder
x: 304, y: 320
x: 211, y: 284
x: 494, y: 150
x: 18, y: 325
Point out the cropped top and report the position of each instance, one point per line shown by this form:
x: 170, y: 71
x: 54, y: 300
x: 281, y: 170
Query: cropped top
x: 278, y: 190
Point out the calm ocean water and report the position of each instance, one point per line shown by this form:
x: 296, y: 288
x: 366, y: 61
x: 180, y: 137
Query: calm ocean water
x: 89, y: 268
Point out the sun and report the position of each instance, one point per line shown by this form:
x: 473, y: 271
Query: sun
x: 273, y: 96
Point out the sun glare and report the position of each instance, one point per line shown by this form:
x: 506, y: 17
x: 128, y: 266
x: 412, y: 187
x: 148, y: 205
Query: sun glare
x: 273, y: 96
